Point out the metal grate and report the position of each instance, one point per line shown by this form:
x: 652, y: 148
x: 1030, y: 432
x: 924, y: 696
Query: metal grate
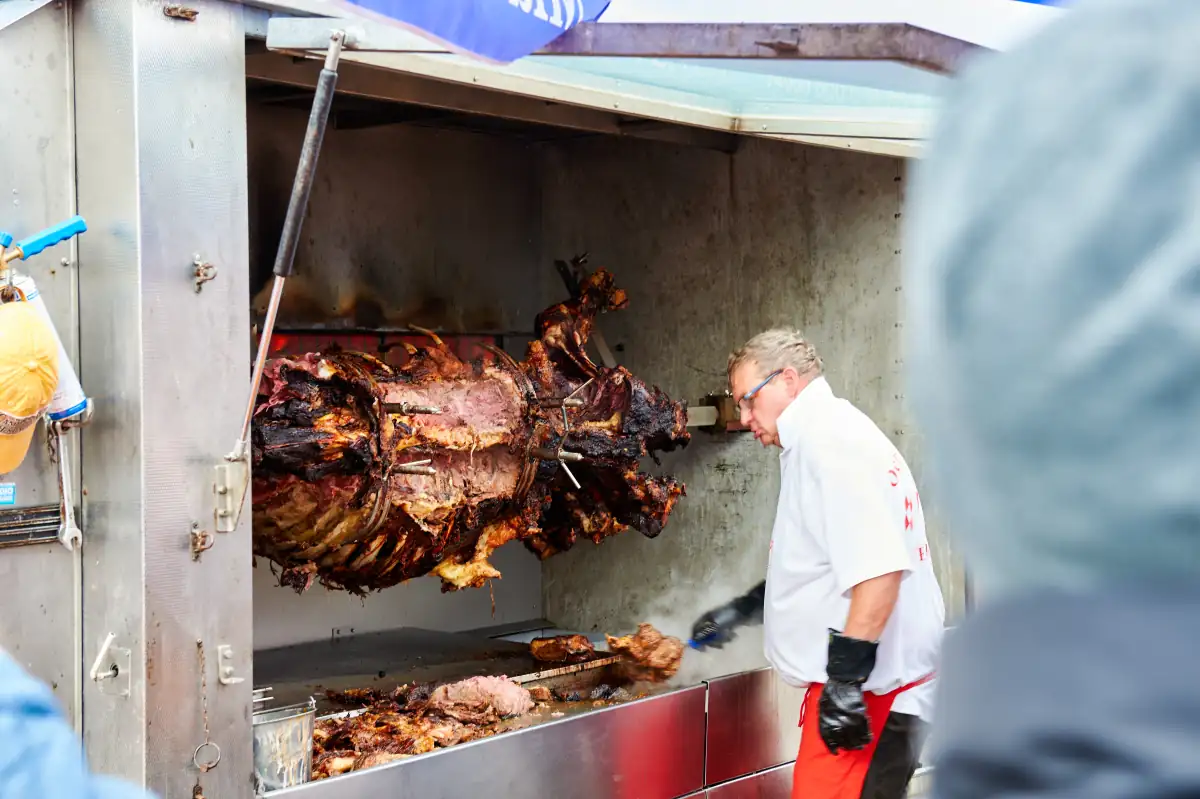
x: 37, y: 524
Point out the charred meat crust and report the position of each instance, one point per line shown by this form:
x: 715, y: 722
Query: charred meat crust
x: 562, y: 649
x: 331, y: 499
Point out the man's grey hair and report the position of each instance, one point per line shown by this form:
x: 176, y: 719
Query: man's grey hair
x: 776, y: 349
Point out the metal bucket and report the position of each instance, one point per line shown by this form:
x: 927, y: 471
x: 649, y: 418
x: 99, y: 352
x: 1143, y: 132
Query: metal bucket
x: 283, y: 745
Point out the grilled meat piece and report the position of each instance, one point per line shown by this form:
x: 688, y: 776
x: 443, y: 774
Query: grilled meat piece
x: 452, y: 714
x: 562, y: 649
x: 336, y: 500
x: 481, y: 700
x: 541, y: 693
x: 358, y: 697
x: 603, y: 692
x: 377, y: 759
x: 652, y: 656
x: 331, y: 764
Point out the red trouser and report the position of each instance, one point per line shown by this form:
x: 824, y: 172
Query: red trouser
x: 821, y: 775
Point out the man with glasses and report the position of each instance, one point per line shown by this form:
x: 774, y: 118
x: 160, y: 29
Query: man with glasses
x: 851, y: 605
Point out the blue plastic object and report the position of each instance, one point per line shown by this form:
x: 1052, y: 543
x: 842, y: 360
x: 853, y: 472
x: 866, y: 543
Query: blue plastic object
x: 5, y: 239
x: 42, y: 756
x: 51, y: 236
x: 490, y: 29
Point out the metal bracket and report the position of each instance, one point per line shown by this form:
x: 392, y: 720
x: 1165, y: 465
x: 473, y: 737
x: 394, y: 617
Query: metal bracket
x: 112, y: 668
x: 716, y: 413
x: 202, y: 271
x: 230, y: 487
x: 225, y: 670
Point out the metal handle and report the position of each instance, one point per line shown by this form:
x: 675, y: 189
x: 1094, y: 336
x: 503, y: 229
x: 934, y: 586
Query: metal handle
x: 48, y: 238
x: 95, y: 672
x: 318, y: 120
x: 286, y: 254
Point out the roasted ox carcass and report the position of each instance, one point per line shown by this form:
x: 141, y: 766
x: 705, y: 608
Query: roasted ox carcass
x: 366, y: 476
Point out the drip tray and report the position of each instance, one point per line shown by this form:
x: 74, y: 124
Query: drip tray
x: 384, y: 661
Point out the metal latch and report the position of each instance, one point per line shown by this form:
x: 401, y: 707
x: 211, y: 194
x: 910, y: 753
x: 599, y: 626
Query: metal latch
x: 230, y: 487
x: 202, y: 272
x: 112, y: 668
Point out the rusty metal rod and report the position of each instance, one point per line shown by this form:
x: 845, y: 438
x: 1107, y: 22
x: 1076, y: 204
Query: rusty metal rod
x: 556, y: 455
x: 407, y: 408
x: 416, y: 468
x: 561, y: 402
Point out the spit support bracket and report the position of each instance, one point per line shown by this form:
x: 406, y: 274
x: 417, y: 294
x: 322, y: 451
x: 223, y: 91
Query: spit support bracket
x: 716, y: 413
x: 230, y: 487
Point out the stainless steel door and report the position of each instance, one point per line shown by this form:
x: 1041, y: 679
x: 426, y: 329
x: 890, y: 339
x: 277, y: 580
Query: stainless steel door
x: 39, y: 579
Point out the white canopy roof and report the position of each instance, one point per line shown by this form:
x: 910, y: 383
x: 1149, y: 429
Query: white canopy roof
x: 876, y: 98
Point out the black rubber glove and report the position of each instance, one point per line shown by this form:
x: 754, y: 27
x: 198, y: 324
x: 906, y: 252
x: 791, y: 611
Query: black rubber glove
x: 718, y: 627
x: 843, y: 712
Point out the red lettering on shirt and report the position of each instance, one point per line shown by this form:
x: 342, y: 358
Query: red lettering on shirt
x: 907, y: 504
x: 895, y: 473
x: 907, y: 522
x: 922, y: 551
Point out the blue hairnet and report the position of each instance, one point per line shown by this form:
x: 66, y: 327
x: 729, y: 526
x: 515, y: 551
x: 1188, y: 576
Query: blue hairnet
x: 40, y: 754
x: 1053, y: 280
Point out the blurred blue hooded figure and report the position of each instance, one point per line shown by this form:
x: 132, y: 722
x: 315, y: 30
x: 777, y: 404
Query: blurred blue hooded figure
x: 1053, y: 281
x: 41, y: 757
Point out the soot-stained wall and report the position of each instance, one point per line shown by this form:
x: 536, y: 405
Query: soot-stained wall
x: 459, y: 231
x: 713, y: 248
x: 405, y: 226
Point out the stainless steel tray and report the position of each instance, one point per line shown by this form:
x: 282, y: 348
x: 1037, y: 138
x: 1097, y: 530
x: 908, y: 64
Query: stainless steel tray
x: 650, y: 749
x: 385, y: 661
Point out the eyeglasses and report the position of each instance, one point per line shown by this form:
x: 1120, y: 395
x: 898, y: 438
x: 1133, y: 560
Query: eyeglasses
x: 748, y: 397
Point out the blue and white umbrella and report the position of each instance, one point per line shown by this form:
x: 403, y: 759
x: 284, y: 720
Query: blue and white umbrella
x: 499, y: 31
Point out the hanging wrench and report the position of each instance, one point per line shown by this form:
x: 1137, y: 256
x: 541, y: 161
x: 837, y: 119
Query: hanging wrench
x: 69, y: 534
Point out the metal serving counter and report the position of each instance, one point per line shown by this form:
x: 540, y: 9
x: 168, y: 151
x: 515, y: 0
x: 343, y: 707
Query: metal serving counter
x: 753, y: 725
x: 729, y: 737
x: 773, y: 783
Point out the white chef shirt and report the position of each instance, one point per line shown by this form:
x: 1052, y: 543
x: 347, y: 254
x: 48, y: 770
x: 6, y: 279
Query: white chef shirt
x: 848, y: 511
